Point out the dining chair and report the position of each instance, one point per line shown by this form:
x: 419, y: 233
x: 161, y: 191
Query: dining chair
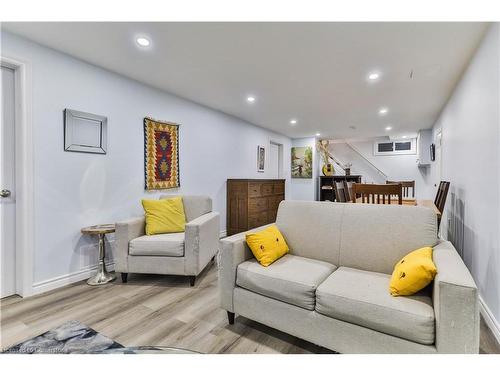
x: 348, y: 190
x: 377, y: 194
x: 340, y: 193
x: 440, y: 199
x: 407, y: 185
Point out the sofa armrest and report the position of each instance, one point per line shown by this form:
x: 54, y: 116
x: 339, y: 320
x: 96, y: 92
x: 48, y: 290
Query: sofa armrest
x: 456, y: 303
x: 234, y: 250
x: 201, y: 242
x: 125, y: 231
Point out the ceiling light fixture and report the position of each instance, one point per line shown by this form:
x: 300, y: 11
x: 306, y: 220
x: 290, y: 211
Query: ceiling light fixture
x: 373, y: 76
x: 388, y: 128
x: 318, y: 134
x: 404, y: 137
x: 251, y: 99
x: 143, y: 42
x: 293, y: 121
x: 383, y: 111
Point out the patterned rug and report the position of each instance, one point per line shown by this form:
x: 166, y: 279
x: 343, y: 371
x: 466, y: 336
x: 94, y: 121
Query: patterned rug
x: 72, y: 337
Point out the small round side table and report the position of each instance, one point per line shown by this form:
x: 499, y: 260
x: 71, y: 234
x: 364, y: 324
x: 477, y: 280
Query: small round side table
x: 102, y: 276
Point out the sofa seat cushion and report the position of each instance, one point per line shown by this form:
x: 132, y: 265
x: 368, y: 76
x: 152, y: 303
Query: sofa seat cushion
x: 291, y: 279
x: 168, y: 245
x: 363, y: 298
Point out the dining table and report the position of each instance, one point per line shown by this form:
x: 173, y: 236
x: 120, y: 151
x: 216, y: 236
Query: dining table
x: 414, y: 202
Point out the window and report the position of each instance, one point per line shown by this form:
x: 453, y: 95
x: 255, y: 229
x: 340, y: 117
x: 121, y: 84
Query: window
x: 402, y: 147
x: 386, y: 147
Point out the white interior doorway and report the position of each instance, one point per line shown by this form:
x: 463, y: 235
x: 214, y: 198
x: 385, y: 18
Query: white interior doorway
x: 16, y: 179
x: 8, y: 184
x: 275, y: 160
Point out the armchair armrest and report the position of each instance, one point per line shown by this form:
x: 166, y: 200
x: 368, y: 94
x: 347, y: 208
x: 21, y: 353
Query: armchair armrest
x: 125, y: 231
x: 456, y: 303
x: 234, y: 250
x: 201, y: 242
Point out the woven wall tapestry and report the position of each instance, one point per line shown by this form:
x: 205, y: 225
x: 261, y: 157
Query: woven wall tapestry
x: 161, y: 154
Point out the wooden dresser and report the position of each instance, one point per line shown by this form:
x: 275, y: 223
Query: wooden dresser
x: 252, y: 203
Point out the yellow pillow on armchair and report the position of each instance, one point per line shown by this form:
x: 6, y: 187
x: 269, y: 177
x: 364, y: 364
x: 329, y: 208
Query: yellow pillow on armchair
x: 267, y: 245
x: 164, y: 215
x: 413, y: 273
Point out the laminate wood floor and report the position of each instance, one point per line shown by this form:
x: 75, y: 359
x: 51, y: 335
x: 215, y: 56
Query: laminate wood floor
x: 155, y: 310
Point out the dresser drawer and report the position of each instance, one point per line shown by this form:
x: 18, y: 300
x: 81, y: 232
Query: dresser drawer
x: 257, y: 205
x: 279, y: 187
x: 267, y: 189
x: 275, y: 201
x: 237, y: 189
x: 254, y: 189
x: 257, y: 219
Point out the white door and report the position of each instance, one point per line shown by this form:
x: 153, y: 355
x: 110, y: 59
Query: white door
x: 7, y: 185
x: 274, y: 161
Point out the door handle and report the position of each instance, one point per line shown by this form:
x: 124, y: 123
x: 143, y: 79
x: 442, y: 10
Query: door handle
x: 4, y: 193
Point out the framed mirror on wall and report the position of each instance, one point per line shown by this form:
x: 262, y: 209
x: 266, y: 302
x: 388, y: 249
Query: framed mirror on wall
x: 85, y: 132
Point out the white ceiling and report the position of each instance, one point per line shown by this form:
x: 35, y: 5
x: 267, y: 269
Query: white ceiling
x: 314, y: 72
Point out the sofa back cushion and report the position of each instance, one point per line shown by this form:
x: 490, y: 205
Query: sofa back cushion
x: 311, y: 229
x: 375, y: 237
x: 362, y: 236
x: 194, y: 205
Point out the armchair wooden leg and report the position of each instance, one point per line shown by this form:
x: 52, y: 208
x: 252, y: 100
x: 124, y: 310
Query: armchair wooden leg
x: 192, y: 280
x: 230, y: 317
x: 124, y: 277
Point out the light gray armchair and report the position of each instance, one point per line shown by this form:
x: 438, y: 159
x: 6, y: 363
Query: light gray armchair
x: 186, y: 253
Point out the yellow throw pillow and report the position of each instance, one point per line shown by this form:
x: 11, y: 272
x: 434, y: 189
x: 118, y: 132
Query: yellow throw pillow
x: 164, y: 215
x: 413, y: 273
x: 267, y: 245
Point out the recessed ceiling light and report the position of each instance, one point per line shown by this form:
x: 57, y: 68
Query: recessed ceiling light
x: 293, y: 121
x: 404, y: 137
x: 143, y: 42
x: 318, y: 134
x: 388, y: 128
x: 250, y: 99
x: 383, y: 111
x: 373, y: 76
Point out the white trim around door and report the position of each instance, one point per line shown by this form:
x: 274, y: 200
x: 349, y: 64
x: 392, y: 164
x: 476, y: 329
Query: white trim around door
x: 24, y: 175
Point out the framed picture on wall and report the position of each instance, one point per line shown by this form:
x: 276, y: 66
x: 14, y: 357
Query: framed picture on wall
x: 301, y: 162
x: 261, y: 158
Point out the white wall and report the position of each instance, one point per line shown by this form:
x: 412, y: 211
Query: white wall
x: 396, y: 167
x: 470, y: 127
x: 305, y: 188
x: 73, y: 190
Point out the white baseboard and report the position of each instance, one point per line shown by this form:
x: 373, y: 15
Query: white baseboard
x: 70, y: 278
x: 489, y: 319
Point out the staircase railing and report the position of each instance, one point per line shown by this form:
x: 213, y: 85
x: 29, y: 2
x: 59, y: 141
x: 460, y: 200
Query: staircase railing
x: 367, y: 160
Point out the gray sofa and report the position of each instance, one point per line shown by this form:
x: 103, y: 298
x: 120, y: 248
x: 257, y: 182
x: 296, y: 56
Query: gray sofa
x: 332, y: 288
x: 186, y: 253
